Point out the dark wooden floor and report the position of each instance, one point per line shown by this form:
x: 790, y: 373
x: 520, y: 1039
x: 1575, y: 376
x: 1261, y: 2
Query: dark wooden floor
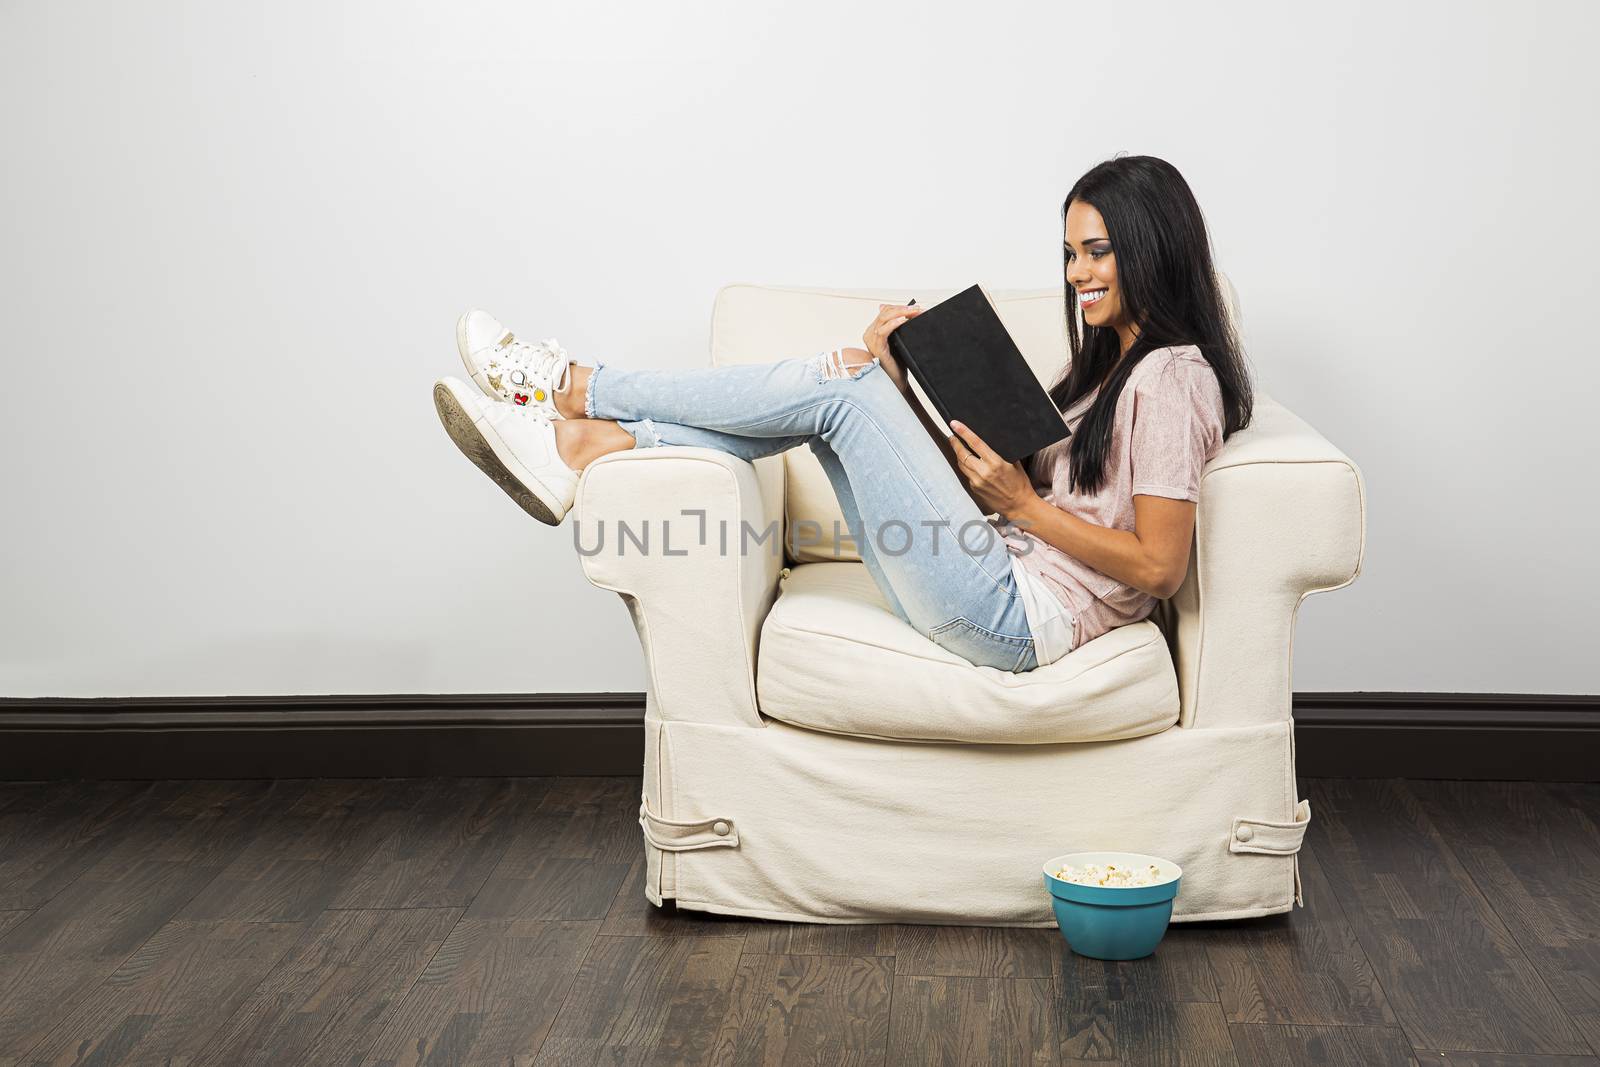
x: 503, y: 921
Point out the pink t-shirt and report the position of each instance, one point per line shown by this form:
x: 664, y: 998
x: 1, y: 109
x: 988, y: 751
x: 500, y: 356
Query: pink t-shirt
x: 1168, y: 425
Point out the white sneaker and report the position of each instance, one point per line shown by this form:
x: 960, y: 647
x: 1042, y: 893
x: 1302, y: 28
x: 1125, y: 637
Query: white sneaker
x: 527, y: 375
x: 513, y: 445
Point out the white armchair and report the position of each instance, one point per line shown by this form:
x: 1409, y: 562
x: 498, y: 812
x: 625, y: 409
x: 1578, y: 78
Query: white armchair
x: 810, y: 757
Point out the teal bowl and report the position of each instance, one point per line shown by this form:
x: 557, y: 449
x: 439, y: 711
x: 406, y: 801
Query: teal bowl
x: 1109, y: 922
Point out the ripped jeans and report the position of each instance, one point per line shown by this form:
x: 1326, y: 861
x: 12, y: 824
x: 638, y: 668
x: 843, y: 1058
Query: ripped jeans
x: 942, y: 567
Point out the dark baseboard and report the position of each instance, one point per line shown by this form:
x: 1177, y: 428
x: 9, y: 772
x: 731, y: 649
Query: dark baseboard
x: 1485, y: 736
x: 1337, y: 735
x: 355, y: 736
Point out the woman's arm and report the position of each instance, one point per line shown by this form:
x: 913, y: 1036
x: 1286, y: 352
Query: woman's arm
x: 1153, y: 557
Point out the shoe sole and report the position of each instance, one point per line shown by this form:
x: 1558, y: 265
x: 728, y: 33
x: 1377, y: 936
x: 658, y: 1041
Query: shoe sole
x: 488, y: 451
x: 478, y: 379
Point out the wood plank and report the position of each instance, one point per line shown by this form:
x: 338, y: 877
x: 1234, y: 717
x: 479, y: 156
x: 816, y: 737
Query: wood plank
x: 957, y: 1022
x: 1590, y: 1026
x: 1300, y: 1045
x: 205, y: 822
x: 1497, y: 1059
x: 308, y: 853
x: 1533, y: 851
x: 1453, y: 974
x: 1135, y: 1033
x: 490, y: 995
x: 807, y: 1009
x: 50, y: 835
x: 591, y: 818
x: 31, y: 796
x: 657, y: 1000
x: 632, y: 915
x: 8, y: 919
x: 1422, y: 887
x: 820, y: 939
x: 330, y: 997
x: 1305, y: 966
x: 1178, y: 970
x: 570, y: 858
x: 165, y: 1001
x: 975, y: 951
x: 60, y: 953
x: 447, y: 845
x: 1124, y: 1011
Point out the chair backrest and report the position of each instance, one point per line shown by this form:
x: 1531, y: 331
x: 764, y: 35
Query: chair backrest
x: 763, y: 323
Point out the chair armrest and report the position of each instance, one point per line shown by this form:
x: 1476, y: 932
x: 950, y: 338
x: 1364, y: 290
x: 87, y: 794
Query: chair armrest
x: 1282, y: 515
x: 698, y: 589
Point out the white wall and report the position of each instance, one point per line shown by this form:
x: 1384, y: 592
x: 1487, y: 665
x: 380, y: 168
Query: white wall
x: 235, y: 238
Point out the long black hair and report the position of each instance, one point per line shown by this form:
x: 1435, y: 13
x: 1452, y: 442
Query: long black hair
x: 1170, y: 293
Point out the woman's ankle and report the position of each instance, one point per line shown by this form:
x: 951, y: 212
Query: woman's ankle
x: 580, y: 442
x: 571, y: 402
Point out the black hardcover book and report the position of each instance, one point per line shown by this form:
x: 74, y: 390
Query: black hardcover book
x: 964, y: 359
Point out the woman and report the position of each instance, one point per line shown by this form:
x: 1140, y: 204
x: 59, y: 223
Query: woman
x: 1091, y: 531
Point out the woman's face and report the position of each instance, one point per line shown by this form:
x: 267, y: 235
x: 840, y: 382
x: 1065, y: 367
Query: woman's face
x: 1092, y: 269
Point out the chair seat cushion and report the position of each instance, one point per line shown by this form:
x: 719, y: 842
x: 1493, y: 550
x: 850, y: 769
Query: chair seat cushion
x: 835, y: 657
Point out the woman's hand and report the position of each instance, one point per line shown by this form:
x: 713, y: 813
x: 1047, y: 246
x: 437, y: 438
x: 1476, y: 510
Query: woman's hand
x: 995, y: 484
x: 890, y: 316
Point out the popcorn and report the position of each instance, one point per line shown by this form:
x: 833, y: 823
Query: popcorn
x: 1110, y: 875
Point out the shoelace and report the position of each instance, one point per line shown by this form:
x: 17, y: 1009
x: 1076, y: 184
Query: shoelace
x: 545, y: 361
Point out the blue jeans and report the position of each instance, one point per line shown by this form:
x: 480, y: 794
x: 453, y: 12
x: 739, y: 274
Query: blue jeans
x: 939, y: 563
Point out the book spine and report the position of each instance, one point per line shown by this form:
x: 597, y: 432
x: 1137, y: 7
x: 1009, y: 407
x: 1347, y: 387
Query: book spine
x: 897, y: 349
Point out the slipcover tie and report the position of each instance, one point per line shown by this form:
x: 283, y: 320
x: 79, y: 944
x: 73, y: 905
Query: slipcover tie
x: 1272, y: 838
x: 675, y: 836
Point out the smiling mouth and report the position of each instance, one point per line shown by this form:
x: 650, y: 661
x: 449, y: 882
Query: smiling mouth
x: 1090, y: 297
